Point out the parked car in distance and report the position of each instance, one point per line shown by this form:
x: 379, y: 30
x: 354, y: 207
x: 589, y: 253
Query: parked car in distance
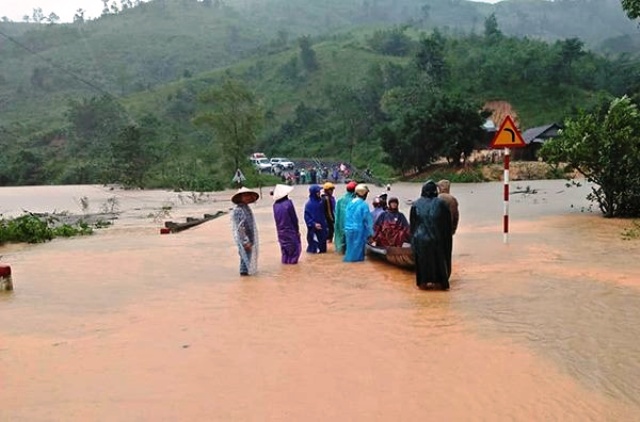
x: 283, y: 163
x: 257, y: 155
x: 261, y: 164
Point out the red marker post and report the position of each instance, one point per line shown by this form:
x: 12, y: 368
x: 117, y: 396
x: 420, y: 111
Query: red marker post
x: 507, y: 137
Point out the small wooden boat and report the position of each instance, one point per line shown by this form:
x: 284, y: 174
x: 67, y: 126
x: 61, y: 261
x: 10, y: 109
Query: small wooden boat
x: 401, y: 256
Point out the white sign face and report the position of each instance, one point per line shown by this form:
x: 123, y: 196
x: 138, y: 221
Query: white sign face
x: 239, y: 177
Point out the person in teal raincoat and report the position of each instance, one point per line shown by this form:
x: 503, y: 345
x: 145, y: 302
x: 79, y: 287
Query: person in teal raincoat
x: 341, y: 206
x: 358, y: 226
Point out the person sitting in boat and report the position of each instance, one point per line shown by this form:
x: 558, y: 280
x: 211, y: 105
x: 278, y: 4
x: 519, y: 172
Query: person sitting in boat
x: 377, y: 209
x: 392, y: 227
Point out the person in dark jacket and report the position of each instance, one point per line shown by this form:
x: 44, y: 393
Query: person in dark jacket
x: 316, y: 221
x: 329, y: 208
x: 287, y: 229
x: 431, y: 238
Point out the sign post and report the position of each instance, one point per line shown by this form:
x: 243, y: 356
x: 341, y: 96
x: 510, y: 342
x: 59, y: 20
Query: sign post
x: 507, y: 137
x: 238, y: 177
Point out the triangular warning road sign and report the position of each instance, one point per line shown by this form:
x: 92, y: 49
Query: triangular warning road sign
x: 239, y: 177
x: 508, y: 136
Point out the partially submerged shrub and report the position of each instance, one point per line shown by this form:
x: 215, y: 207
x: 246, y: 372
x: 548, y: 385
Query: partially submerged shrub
x: 30, y: 228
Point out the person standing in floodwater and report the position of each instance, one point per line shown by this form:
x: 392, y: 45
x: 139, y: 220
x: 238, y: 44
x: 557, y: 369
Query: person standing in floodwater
x: 444, y: 193
x: 329, y: 203
x: 358, y: 225
x: 444, y: 187
x: 287, y: 229
x: 341, y: 206
x: 245, y: 232
x: 431, y: 238
x: 316, y: 221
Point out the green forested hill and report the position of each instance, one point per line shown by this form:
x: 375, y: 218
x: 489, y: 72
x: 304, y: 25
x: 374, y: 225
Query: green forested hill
x: 67, y: 90
x: 163, y: 40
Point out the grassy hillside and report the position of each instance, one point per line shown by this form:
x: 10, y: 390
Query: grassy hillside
x: 162, y: 41
x: 66, y: 91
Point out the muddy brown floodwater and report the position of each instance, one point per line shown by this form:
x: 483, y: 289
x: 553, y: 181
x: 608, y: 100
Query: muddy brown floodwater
x: 131, y: 325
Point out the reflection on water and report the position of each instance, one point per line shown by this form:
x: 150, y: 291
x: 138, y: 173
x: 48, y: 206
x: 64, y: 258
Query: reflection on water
x: 543, y: 328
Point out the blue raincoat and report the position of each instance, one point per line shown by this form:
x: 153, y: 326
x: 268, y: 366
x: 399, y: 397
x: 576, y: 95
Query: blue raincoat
x: 358, y: 227
x: 314, y: 213
x: 341, y: 206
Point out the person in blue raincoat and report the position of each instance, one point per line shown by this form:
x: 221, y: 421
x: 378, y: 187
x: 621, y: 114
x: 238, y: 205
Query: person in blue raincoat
x: 358, y: 226
x: 316, y: 221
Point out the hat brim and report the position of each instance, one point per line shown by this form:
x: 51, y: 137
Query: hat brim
x: 281, y: 191
x: 238, y: 197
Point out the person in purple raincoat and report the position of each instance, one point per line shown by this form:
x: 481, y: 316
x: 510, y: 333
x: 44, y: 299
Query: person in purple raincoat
x: 287, y: 229
x: 316, y: 221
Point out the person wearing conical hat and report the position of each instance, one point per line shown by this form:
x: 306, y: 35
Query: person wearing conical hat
x: 245, y: 232
x: 287, y: 228
x: 358, y: 225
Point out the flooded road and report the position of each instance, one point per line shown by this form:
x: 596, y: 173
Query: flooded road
x: 132, y: 325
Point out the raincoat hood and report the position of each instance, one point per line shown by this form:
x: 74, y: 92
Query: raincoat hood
x: 429, y: 189
x: 314, y: 190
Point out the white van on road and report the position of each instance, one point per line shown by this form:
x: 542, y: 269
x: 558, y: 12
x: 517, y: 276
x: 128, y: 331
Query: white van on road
x: 284, y: 163
x: 261, y: 164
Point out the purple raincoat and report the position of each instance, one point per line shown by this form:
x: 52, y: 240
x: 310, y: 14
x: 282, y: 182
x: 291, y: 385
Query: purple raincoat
x: 288, y: 231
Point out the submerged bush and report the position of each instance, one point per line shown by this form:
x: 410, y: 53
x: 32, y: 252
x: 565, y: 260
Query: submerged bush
x: 30, y: 228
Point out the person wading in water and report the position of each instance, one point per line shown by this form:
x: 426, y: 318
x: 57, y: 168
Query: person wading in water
x: 431, y: 238
x: 245, y: 232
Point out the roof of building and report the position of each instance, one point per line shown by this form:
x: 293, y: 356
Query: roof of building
x: 541, y: 133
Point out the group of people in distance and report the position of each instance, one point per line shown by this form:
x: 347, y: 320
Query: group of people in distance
x: 349, y: 223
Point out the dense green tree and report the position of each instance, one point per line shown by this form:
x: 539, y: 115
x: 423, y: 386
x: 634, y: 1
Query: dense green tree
x: 392, y: 42
x: 79, y: 16
x: 27, y: 167
x: 357, y: 109
x: 37, y: 15
x: 491, y: 28
x: 569, y: 51
x: 235, y: 116
x: 291, y: 70
x: 308, y: 54
x: 604, y: 146
x: 130, y: 156
x: 632, y: 8
x: 94, y: 124
x: 428, y: 125
x: 430, y: 58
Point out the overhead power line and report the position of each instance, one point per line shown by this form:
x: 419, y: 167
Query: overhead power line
x: 53, y: 64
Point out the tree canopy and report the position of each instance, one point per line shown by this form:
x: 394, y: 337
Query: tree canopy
x: 235, y: 116
x: 604, y: 146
